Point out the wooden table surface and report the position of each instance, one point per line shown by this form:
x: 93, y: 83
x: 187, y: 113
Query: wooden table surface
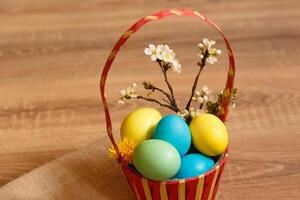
x: 51, y: 54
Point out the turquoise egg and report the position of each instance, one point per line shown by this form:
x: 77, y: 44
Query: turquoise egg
x: 156, y: 159
x: 194, y: 164
x: 174, y: 130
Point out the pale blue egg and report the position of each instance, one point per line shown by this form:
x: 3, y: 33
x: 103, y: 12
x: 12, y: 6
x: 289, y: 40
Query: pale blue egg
x: 194, y: 164
x: 174, y: 130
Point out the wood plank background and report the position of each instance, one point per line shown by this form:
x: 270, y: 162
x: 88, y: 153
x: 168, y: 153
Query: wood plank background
x: 51, y: 54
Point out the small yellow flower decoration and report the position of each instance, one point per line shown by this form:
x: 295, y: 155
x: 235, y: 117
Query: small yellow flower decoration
x: 126, y: 148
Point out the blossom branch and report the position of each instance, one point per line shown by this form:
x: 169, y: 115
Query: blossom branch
x: 166, y: 58
x: 201, y: 65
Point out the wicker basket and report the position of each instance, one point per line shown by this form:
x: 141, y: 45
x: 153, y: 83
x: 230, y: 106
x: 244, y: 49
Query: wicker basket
x: 203, y: 187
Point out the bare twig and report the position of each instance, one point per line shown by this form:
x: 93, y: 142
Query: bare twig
x: 164, y: 69
x: 201, y: 66
x: 165, y: 100
x: 159, y: 103
x: 153, y: 88
x: 201, y: 106
x: 163, y: 92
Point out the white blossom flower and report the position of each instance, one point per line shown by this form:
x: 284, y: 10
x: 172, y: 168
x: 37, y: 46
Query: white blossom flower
x: 212, y: 52
x: 165, y: 54
x: 201, y: 97
x: 168, y: 54
x: 205, y: 90
x: 198, y: 97
x: 131, y: 92
x: 121, y: 102
x: 195, y: 112
x: 159, y: 50
x: 211, y: 60
x: 134, y: 85
x: 151, y: 51
x: 176, y: 67
x: 192, y: 112
x: 183, y: 113
x: 128, y: 93
x: 233, y: 105
x: 201, y: 46
x: 123, y: 92
x: 200, y: 55
x: 208, y: 43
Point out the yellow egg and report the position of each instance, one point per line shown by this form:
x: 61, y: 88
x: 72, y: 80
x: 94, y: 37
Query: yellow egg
x: 209, y: 134
x: 139, y: 124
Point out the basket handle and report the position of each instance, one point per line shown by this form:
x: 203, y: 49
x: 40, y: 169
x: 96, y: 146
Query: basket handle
x: 227, y: 92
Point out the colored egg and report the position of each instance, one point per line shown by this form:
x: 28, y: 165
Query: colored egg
x: 139, y: 124
x: 173, y: 129
x: 194, y: 165
x: 209, y: 134
x: 156, y: 159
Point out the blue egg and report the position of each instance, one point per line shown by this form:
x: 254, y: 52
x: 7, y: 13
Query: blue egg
x: 194, y: 164
x: 174, y: 130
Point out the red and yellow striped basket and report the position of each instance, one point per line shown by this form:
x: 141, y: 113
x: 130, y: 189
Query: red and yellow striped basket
x: 203, y: 187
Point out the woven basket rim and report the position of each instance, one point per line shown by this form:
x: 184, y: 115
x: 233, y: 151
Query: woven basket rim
x: 220, y: 163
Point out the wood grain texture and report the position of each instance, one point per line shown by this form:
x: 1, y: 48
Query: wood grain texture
x: 51, y: 53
